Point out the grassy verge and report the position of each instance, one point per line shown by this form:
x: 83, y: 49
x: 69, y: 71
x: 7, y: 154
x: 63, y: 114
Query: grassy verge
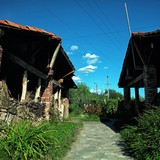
x: 29, y: 141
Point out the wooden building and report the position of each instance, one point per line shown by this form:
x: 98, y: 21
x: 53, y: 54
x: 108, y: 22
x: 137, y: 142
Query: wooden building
x: 141, y: 67
x: 36, y: 58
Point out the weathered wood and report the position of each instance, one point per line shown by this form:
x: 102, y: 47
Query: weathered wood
x: 139, y: 53
x: 38, y: 91
x: 54, y: 56
x: 133, y: 55
x: 135, y: 80
x: 26, y: 66
x: 1, y: 52
x: 24, y: 86
x: 136, y: 100
x: 68, y: 74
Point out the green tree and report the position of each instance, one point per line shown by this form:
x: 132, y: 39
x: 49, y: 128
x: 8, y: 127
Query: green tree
x: 113, y: 94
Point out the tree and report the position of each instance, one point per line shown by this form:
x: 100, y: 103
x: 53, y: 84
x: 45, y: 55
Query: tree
x: 113, y: 94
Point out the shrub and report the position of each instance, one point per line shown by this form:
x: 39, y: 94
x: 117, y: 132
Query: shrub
x: 143, y: 141
x: 25, y: 141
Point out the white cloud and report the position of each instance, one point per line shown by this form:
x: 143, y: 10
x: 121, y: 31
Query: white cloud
x: 74, y: 48
x: 77, y: 79
x: 88, y: 69
x: 105, y: 67
x: 91, y: 58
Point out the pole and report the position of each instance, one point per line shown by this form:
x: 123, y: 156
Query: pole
x: 129, y: 27
x: 108, y: 87
x: 96, y: 87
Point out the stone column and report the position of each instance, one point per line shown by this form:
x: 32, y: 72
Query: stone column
x: 127, y: 97
x: 150, y: 84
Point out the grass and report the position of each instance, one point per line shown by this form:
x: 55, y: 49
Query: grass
x: 29, y: 141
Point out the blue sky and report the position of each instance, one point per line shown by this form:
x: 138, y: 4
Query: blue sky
x: 94, y: 32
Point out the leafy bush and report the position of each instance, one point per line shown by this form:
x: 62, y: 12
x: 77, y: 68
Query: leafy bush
x: 143, y: 141
x: 25, y: 141
x: 28, y: 141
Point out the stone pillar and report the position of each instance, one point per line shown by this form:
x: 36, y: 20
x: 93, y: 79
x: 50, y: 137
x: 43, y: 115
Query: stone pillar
x: 150, y: 84
x: 47, y: 98
x: 127, y: 97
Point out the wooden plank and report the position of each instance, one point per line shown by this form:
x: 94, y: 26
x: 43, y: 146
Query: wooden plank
x: 26, y: 66
x: 139, y: 53
x: 135, y: 80
x: 54, y: 56
x: 24, y: 86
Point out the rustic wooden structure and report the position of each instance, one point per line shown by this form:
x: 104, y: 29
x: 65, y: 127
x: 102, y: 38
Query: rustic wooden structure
x: 141, y: 67
x: 33, y: 60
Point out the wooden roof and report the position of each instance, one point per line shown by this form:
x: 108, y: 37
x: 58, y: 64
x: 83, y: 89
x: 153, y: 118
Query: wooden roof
x: 34, y: 47
x: 143, y: 49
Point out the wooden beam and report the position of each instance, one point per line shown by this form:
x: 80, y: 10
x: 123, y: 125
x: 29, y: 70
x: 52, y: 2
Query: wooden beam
x: 24, y: 86
x: 133, y: 54
x: 1, y: 52
x: 38, y: 91
x: 54, y: 56
x: 139, y: 53
x: 28, y: 67
x: 135, y: 80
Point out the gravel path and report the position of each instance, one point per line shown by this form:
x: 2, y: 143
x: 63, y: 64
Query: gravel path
x: 97, y: 141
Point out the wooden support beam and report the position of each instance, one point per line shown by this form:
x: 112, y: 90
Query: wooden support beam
x: 1, y: 52
x: 54, y: 56
x: 139, y: 53
x: 133, y: 54
x: 28, y: 67
x: 38, y: 91
x: 24, y: 86
x: 135, y: 80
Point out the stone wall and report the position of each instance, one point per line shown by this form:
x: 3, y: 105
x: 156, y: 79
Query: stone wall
x: 12, y: 111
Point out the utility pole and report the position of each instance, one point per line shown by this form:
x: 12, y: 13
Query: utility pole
x: 128, y: 22
x: 96, y: 88
x: 107, y: 87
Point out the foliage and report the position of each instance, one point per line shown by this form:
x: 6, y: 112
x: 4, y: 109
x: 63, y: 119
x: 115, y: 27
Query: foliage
x: 143, y: 141
x: 54, y: 117
x: 90, y: 117
x: 65, y: 134
x: 25, y: 141
x: 114, y: 94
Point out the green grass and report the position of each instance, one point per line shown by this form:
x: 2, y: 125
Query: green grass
x: 28, y: 141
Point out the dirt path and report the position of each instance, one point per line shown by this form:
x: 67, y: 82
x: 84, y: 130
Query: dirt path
x: 97, y: 141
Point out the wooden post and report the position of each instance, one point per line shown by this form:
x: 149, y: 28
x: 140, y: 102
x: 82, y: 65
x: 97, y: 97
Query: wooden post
x: 127, y: 97
x: 61, y: 106
x: 66, y: 107
x: 54, y: 56
x: 24, y: 86
x: 1, y: 52
x: 136, y: 100
x: 38, y: 91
